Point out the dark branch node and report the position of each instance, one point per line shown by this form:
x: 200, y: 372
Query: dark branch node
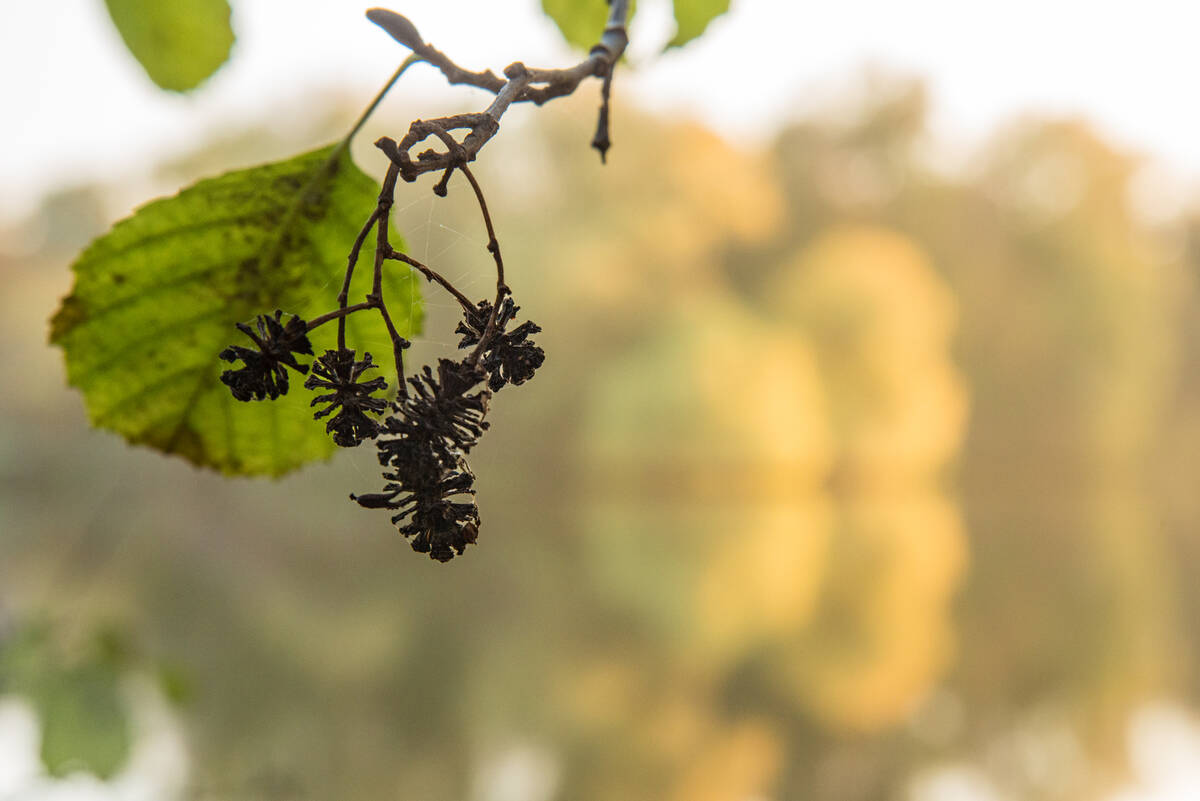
x: 481, y: 127
x: 524, y: 85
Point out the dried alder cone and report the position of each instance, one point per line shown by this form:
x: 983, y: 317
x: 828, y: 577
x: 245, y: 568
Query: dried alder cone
x: 263, y: 375
x: 511, y: 358
x: 424, y: 434
x: 338, y: 371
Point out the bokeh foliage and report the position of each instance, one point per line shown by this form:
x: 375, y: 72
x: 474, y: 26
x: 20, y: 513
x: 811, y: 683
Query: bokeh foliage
x: 75, y: 689
x: 581, y: 22
x: 841, y: 468
x: 180, y: 44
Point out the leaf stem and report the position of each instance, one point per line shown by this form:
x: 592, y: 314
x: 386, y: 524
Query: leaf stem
x: 370, y: 109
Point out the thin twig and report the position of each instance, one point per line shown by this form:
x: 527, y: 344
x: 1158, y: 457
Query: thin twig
x: 547, y: 84
x: 431, y: 275
x: 344, y: 295
x: 601, y: 141
x: 518, y: 78
x: 493, y: 246
x: 339, y: 315
x: 382, y: 248
x: 522, y: 85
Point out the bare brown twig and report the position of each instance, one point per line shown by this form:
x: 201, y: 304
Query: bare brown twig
x: 339, y: 315
x: 344, y: 296
x: 493, y: 247
x: 523, y: 84
x: 382, y: 248
x: 431, y: 275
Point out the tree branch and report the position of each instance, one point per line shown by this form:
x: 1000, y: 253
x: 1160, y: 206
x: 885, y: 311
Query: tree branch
x: 522, y: 85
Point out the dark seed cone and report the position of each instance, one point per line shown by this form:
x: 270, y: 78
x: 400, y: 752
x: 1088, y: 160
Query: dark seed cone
x: 338, y: 372
x: 474, y: 323
x: 437, y: 524
x: 443, y: 529
x: 423, y: 447
x: 510, y: 358
x: 263, y: 375
x: 439, y: 407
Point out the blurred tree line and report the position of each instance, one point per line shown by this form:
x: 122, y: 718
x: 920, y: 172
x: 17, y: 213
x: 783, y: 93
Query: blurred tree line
x: 845, y: 465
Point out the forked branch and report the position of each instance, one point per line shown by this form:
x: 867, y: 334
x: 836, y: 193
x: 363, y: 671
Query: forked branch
x: 520, y: 84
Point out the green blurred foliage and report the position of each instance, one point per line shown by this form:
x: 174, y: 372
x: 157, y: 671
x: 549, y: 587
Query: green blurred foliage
x: 180, y: 44
x: 76, y: 691
x: 581, y: 23
x: 158, y: 296
x: 692, y: 18
x: 840, y: 467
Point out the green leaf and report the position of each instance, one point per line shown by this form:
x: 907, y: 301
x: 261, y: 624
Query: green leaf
x: 179, y: 43
x: 155, y: 300
x: 692, y: 18
x: 85, y: 725
x: 581, y: 21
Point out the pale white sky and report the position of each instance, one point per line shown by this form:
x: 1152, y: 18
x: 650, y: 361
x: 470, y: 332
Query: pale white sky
x: 77, y: 105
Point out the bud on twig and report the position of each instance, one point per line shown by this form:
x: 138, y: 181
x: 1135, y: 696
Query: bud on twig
x: 398, y: 27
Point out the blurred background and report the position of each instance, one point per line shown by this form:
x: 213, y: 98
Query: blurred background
x: 861, y: 467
